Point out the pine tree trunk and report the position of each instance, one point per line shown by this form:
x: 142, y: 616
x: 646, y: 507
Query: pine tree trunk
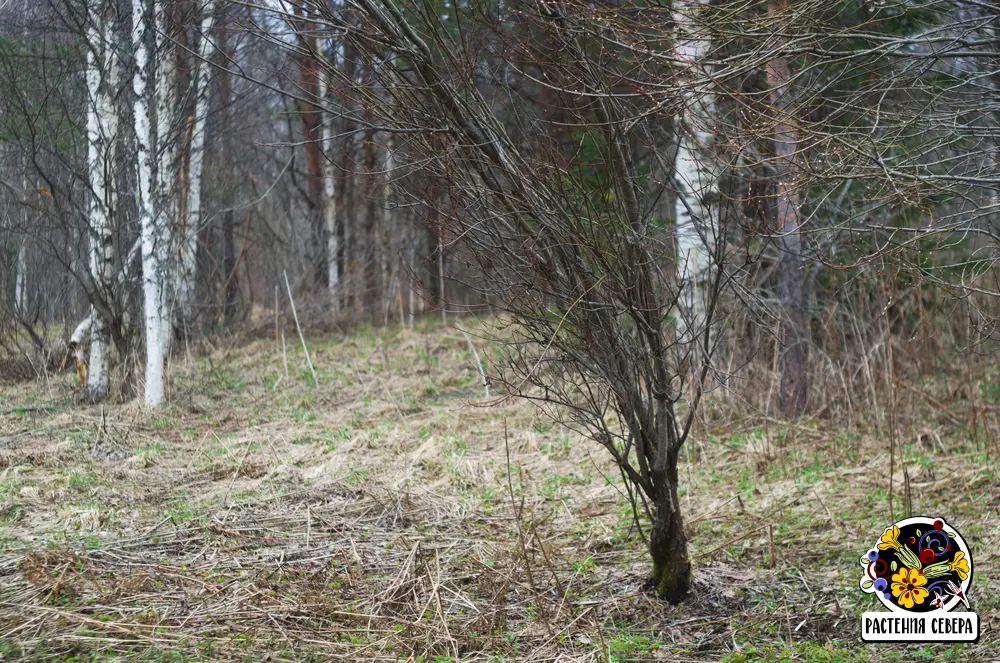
x: 311, y: 115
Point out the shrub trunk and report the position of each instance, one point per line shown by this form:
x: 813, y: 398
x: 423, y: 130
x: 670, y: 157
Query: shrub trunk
x: 667, y: 543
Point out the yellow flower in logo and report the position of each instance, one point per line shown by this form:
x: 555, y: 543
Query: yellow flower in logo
x: 908, y: 587
x: 890, y: 539
x: 960, y: 565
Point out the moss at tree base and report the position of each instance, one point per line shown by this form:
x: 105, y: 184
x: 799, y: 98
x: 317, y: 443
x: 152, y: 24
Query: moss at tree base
x: 672, y: 582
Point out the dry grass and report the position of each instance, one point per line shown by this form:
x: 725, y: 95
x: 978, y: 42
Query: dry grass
x: 370, y: 517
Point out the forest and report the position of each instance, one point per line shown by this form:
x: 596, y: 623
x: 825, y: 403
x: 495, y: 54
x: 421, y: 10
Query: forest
x: 434, y: 331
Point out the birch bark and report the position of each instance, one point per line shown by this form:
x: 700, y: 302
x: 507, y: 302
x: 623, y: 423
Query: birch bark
x: 329, y: 203
x: 696, y: 174
x: 21, y: 278
x: 102, y: 130
x: 192, y: 221
x: 155, y: 241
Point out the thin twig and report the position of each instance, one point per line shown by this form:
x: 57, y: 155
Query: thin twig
x: 299, y: 328
x: 482, y: 373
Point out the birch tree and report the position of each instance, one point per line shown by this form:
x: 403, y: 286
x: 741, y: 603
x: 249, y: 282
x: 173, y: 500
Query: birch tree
x: 102, y: 139
x: 329, y: 202
x: 150, y: 98
x: 696, y: 214
x: 192, y: 221
x: 21, y: 278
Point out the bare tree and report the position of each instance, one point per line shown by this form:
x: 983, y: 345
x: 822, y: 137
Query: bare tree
x: 569, y: 249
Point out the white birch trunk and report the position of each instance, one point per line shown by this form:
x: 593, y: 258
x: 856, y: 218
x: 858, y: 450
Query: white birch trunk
x: 166, y: 172
x: 21, y: 278
x: 155, y: 247
x: 78, y: 343
x: 330, y: 193
x: 697, y: 177
x: 187, y: 272
x: 102, y: 128
x: 82, y: 332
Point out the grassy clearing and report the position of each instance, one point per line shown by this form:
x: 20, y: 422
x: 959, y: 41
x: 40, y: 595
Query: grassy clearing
x: 369, y: 517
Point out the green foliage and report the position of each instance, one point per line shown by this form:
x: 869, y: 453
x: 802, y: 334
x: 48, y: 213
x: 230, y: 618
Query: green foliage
x: 80, y: 480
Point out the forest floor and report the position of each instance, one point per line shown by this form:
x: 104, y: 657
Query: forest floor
x: 378, y: 513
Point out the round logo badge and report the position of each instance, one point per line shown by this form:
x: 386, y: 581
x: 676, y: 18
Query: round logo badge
x: 918, y: 565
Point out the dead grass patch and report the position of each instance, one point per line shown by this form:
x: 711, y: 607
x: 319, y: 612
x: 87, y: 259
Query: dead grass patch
x: 368, y: 517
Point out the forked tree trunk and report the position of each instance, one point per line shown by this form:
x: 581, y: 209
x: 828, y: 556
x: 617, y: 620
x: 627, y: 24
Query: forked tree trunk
x: 695, y: 172
x: 191, y: 223
x: 671, y: 576
x: 792, y: 277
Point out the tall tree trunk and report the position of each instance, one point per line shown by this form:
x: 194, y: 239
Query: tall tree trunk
x: 309, y: 81
x: 166, y: 173
x: 386, y: 224
x: 230, y: 283
x: 329, y: 198
x: 102, y: 130
x: 372, y: 188
x: 697, y: 210
x: 792, y: 276
x: 192, y: 220
x: 155, y: 238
